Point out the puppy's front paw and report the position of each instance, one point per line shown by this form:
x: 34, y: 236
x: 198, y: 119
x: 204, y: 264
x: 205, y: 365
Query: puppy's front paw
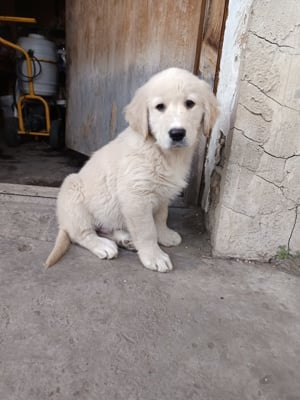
x: 169, y: 238
x: 156, y: 260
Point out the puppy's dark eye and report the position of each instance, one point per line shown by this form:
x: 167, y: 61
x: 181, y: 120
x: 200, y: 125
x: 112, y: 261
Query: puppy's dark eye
x: 189, y: 104
x: 160, y: 107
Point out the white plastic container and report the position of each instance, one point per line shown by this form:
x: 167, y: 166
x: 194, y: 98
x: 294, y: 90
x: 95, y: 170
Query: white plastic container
x: 45, y: 84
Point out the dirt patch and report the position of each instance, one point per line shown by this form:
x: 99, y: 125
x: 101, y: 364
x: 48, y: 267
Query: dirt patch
x: 290, y: 265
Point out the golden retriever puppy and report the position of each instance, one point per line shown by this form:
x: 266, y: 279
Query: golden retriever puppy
x: 121, y: 195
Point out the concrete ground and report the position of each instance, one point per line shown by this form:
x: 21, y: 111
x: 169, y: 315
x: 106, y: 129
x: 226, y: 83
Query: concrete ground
x: 88, y: 329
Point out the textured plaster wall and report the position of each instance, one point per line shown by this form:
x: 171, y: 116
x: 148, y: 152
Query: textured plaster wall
x: 258, y: 205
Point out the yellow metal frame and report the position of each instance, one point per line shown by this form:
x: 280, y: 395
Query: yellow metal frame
x: 31, y: 95
x: 22, y: 130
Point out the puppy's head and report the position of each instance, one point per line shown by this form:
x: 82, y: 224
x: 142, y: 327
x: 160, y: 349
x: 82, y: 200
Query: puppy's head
x: 174, y: 106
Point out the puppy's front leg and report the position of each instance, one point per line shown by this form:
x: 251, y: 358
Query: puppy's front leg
x: 141, y: 226
x: 166, y: 236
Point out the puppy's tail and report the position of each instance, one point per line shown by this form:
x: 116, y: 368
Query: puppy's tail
x: 61, y: 246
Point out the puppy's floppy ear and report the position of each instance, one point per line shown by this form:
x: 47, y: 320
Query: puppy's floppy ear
x: 136, y: 112
x: 211, y: 109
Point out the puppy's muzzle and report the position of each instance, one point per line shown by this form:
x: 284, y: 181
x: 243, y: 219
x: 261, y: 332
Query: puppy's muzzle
x: 177, y: 134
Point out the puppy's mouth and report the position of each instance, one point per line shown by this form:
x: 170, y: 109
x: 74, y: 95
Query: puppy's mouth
x: 176, y: 144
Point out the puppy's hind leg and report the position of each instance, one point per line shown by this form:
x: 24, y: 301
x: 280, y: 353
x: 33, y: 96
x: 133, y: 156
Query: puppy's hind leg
x: 77, y: 221
x: 100, y: 246
x: 123, y: 239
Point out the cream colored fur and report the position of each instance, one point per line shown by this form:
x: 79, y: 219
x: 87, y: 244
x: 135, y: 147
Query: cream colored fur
x: 124, y: 190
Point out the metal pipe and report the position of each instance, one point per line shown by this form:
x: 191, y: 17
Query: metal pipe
x: 18, y: 19
x: 28, y: 61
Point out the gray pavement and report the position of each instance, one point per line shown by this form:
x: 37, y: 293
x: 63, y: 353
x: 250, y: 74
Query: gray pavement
x: 111, y: 330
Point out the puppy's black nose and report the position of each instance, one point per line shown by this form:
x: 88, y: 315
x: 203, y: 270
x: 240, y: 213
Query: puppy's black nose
x: 177, y: 134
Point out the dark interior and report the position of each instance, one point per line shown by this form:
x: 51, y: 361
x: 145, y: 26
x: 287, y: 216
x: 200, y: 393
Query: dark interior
x: 27, y: 158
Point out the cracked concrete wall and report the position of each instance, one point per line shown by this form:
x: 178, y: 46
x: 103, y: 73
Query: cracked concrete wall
x: 259, y: 196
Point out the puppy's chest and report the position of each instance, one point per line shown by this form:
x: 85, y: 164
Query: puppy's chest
x: 170, y: 181
x: 153, y: 173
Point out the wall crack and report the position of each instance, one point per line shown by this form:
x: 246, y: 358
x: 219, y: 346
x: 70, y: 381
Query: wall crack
x: 254, y: 172
x: 270, y: 41
x: 256, y: 113
x: 280, y: 157
x: 292, y: 30
x: 269, y: 97
x: 244, y: 167
x: 289, y: 49
x: 247, y: 137
x: 281, y: 188
x: 293, y: 228
x: 271, y: 183
x: 238, y: 212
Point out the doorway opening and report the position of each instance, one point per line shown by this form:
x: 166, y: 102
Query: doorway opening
x: 28, y: 158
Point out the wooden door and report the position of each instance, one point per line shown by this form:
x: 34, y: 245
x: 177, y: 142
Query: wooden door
x: 115, y: 46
